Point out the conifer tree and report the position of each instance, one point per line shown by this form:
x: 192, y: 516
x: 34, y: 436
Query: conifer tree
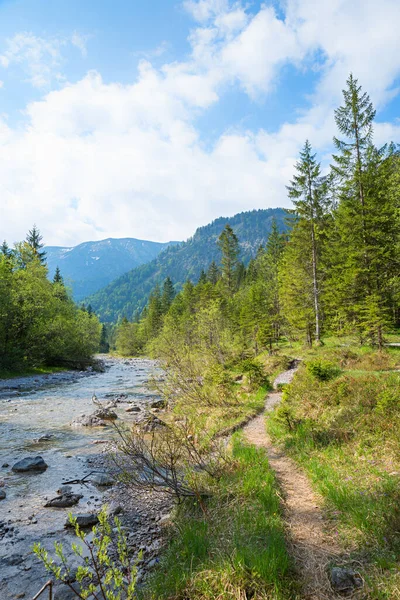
x: 168, y: 294
x: 104, y: 344
x: 229, y: 245
x: 213, y: 273
x: 5, y: 249
x: 34, y: 239
x: 154, y: 312
x: 307, y: 191
x: 363, y: 247
x: 203, y: 277
x: 271, y: 260
x: 57, y: 277
x: 354, y: 120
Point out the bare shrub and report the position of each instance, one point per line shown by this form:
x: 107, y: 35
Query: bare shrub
x: 174, y: 458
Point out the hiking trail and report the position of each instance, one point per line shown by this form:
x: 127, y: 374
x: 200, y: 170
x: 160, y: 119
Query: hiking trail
x: 310, y: 543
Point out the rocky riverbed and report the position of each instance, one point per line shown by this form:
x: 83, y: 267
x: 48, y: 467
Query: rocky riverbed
x: 42, y: 417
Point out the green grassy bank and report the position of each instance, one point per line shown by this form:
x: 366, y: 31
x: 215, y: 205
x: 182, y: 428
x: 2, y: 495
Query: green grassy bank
x: 340, y: 419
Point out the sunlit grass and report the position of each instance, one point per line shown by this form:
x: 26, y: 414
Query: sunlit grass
x: 346, y: 434
x: 237, y: 548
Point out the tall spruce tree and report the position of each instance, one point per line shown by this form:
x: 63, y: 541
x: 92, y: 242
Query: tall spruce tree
x: 57, y: 276
x: 363, y: 246
x: 34, y: 239
x: 202, y: 277
x: 307, y: 191
x: 5, y: 250
x: 229, y: 245
x: 354, y: 120
x: 271, y: 260
x: 168, y: 294
x: 213, y: 273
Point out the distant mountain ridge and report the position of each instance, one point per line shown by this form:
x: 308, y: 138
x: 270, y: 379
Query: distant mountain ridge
x: 90, y: 266
x: 130, y: 292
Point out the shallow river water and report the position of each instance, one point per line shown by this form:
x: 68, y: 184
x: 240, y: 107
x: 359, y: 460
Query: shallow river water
x: 50, y: 410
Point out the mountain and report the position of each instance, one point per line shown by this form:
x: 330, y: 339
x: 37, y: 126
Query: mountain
x: 92, y: 265
x: 130, y: 292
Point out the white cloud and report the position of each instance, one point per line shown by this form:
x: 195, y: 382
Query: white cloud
x: 40, y: 59
x: 80, y: 42
x: 98, y: 159
x: 1, y: 84
x: 204, y: 10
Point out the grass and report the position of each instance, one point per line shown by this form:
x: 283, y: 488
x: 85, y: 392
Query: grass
x: 345, y: 432
x: 237, y: 549
x: 26, y: 372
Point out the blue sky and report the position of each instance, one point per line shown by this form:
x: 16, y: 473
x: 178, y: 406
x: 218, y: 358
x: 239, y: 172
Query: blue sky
x: 147, y: 119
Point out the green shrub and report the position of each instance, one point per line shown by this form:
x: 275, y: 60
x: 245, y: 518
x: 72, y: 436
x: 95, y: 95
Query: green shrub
x: 323, y: 370
x: 388, y: 401
x: 99, y: 575
x: 255, y: 373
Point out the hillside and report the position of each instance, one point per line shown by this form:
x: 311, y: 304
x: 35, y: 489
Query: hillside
x: 90, y: 266
x: 185, y: 261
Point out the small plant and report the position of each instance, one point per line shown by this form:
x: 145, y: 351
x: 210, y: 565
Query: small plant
x: 255, y: 373
x: 388, y: 402
x: 323, y: 370
x: 281, y: 386
x: 106, y: 572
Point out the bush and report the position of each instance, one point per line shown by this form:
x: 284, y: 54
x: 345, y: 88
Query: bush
x: 255, y: 373
x: 107, y: 571
x: 323, y: 370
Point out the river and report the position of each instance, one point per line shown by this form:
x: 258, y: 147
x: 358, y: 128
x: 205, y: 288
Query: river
x: 49, y: 409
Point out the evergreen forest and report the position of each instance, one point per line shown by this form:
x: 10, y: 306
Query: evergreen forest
x: 335, y: 271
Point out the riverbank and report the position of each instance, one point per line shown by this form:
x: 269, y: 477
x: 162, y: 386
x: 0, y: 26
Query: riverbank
x: 37, y: 422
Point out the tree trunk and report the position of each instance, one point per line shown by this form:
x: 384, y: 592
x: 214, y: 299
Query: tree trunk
x: 315, y: 287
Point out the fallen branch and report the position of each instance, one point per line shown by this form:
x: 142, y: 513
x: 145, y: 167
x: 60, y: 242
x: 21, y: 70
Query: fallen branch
x: 82, y: 481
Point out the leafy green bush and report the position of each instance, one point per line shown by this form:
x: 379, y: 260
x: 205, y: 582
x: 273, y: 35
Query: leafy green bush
x: 388, y: 401
x: 255, y: 373
x: 323, y: 370
x: 101, y: 573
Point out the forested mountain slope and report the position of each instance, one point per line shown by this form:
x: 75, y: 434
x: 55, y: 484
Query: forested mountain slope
x: 90, y: 266
x: 130, y: 292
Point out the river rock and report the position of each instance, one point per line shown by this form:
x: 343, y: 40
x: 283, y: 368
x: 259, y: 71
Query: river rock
x: 132, y: 409
x: 45, y: 438
x: 106, y: 414
x: 113, y: 509
x: 345, y: 581
x: 2, y: 494
x: 158, y: 404
x: 151, y: 422
x: 64, y: 489
x: 102, y: 479
x: 64, y: 592
x: 89, y: 421
x: 30, y: 464
x: 12, y: 560
x: 64, y: 501
x: 83, y: 520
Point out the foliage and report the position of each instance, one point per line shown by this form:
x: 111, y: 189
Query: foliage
x: 106, y: 571
x: 323, y: 370
x: 39, y: 323
x: 255, y: 372
x: 130, y: 292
